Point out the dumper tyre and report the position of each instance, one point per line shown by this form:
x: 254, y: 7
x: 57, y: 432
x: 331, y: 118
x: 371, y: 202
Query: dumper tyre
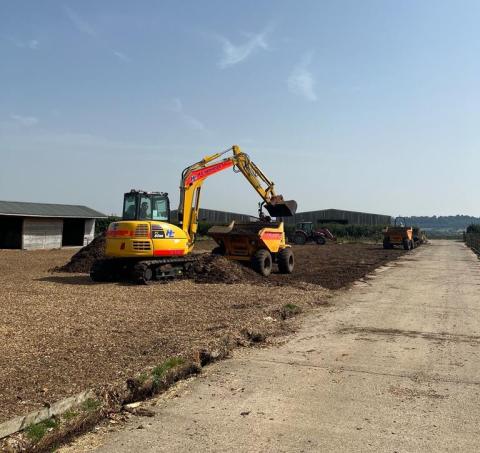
x: 286, y: 261
x: 262, y: 262
x: 320, y: 240
x: 406, y: 245
x: 299, y: 238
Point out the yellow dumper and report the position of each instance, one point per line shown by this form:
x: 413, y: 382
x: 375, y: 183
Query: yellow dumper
x: 260, y: 243
x: 399, y: 235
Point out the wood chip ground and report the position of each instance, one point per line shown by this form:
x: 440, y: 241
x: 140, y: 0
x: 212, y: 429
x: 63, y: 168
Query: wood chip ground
x: 61, y: 333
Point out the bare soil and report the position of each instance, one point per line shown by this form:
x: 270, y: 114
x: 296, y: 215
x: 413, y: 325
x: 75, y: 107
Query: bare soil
x: 332, y: 266
x: 61, y: 333
x: 335, y: 266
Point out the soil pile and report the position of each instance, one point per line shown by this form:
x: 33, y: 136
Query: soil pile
x: 83, y: 260
x: 218, y: 269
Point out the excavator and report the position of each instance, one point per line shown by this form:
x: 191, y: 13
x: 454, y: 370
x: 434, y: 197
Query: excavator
x: 146, y: 246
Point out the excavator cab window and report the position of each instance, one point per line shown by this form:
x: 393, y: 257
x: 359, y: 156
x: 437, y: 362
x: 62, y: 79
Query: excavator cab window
x: 130, y: 207
x: 145, y: 212
x: 160, y: 209
x: 146, y: 206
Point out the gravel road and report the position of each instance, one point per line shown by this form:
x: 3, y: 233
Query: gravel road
x: 392, y: 366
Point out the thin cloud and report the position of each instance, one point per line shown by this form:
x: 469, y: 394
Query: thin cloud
x: 53, y: 142
x: 84, y: 27
x: 24, y: 120
x: 31, y: 44
x: 122, y: 56
x: 191, y: 121
x: 301, y: 81
x: 79, y: 23
x: 234, y: 54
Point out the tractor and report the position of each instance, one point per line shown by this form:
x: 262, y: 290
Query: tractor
x: 305, y: 232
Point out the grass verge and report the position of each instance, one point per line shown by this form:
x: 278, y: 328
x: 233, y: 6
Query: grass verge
x: 36, y: 432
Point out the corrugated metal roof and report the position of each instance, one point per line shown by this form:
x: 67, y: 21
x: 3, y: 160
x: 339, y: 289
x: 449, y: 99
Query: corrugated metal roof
x: 331, y: 210
x: 21, y: 208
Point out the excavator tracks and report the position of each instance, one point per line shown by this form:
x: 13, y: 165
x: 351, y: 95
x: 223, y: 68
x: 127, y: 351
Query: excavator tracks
x: 141, y: 271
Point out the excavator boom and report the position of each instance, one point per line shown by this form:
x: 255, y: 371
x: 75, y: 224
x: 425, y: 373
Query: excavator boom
x: 194, y: 176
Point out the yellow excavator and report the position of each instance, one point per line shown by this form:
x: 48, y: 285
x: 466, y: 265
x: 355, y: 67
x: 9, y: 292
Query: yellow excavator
x: 146, y: 246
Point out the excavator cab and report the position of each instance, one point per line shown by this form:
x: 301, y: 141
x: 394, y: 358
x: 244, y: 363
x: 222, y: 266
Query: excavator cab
x: 141, y: 205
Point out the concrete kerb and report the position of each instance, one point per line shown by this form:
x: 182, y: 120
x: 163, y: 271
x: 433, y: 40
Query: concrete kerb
x: 16, y: 424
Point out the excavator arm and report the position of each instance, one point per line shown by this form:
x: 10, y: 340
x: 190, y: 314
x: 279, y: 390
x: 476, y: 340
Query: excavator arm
x: 194, y: 176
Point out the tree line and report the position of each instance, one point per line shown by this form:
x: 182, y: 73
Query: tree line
x: 451, y: 222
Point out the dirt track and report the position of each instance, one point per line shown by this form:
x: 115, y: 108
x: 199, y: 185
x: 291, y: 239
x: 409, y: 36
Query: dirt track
x: 60, y: 333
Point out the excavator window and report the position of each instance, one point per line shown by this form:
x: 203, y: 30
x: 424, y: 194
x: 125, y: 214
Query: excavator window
x: 146, y: 206
x: 130, y: 207
x: 160, y: 209
x: 145, y: 209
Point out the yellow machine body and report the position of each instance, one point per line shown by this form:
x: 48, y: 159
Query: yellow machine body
x: 397, y: 235
x: 241, y: 241
x: 145, y: 239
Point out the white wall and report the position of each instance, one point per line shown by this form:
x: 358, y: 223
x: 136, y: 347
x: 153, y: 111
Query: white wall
x: 89, y: 231
x: 42, y: 233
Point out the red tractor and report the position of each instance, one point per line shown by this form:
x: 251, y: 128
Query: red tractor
x: 305, y: 232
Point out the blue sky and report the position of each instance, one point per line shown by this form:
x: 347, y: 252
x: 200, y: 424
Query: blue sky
x: 371, y: 106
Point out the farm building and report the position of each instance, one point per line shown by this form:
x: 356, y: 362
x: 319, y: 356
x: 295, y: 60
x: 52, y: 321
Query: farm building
x: 45, y: 226
x: 217, y: 217
x: 322, y: 216
x: 339, y: 216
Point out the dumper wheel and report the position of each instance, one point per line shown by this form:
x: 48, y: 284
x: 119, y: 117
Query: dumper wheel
x: 406, y: 245
x: 286, y: 261
x: 262, y: 262
x: 320, y: 240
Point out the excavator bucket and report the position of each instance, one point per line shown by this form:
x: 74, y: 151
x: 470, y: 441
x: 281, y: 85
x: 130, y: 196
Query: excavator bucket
x: 281, y: 208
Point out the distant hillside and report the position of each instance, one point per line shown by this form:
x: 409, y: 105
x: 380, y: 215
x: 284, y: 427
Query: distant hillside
x: 451, y: 222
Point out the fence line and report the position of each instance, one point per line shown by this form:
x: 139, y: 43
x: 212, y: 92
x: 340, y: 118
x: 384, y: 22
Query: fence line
x: 473, y: 241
